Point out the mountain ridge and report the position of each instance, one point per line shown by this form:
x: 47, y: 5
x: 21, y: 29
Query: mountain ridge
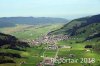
x: 81, y: 27
x: 12, y: 21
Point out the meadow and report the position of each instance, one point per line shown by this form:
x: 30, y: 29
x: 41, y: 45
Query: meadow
x: 33, y: 55
x: 35, y: 31
x: 79, y: 51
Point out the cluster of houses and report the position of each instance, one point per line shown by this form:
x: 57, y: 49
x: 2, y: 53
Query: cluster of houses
x: 48, y: 39
x: 51, y: 47
x: 55, y: 47
x: 48, y: 61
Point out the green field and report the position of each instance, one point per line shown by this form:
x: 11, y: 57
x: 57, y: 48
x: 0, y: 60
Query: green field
x: 79, y: 51
x: 35, y: 32
x: 33, y: 55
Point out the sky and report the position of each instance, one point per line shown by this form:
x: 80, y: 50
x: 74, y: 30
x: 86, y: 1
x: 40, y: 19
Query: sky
x: 49, y: 8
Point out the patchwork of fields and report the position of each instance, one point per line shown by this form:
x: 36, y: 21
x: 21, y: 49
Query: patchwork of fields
x: 36, y: 54
x: 35, y: 31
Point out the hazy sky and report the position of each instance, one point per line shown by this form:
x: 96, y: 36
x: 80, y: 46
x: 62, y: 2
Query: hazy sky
x: 49, y: 8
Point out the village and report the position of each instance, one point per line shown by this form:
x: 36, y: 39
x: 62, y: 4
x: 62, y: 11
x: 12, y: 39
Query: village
x: 48, y: 39
x: 50, y: 43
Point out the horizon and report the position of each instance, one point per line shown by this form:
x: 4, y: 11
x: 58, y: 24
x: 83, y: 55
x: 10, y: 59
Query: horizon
x: 69, y: 9
x: 50, y: 17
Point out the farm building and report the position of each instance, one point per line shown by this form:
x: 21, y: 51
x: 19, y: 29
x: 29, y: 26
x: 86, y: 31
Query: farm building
x: 51, y: 47
x: 48, y: 61
x: 64, y: 46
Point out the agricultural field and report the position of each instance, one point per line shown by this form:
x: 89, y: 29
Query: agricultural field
x: 32, y: 56
x: 34, y: 32
x: 36, y: 54
x: 79, y: 51
x: 30, y: 31
x: 17, y: 28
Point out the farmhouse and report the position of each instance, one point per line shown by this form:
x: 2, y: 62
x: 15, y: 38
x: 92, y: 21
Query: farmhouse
x: 66, y: 47
x: 52, y: 47
x: 48, y: 61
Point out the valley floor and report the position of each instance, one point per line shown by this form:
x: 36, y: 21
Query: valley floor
x: 37, y: 55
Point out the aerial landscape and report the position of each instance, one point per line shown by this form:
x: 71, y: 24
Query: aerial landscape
x: 49, y: 33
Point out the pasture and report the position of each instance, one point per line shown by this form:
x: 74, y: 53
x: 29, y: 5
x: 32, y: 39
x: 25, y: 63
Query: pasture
x: 33, y: 55
x: 79, y: 51
x: 35, y: 32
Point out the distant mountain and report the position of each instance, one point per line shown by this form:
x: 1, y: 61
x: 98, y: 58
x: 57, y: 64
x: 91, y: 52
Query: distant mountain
x: 12, y: 21
x: 87, y: 27
x: 6, y: 24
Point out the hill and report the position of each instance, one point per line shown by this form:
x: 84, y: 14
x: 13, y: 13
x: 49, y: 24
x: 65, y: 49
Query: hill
x: 8, y: 45
x: 11, y: 42
x: 12, y: 21
x: 6, y: 24
x: 85, y: 27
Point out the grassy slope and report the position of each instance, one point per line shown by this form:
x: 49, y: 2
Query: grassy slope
x: 9, y: 30
x: 31, y: 56
x: 81, y: 32
x: 66, y: 27
x: 79, y: 51
x: 29, y: 31
x: 35, y: 32
x: 10, y: 49
x: 82, y: 27
x: 88, y: 30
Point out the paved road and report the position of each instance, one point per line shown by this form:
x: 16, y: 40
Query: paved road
x: 56, y: 55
